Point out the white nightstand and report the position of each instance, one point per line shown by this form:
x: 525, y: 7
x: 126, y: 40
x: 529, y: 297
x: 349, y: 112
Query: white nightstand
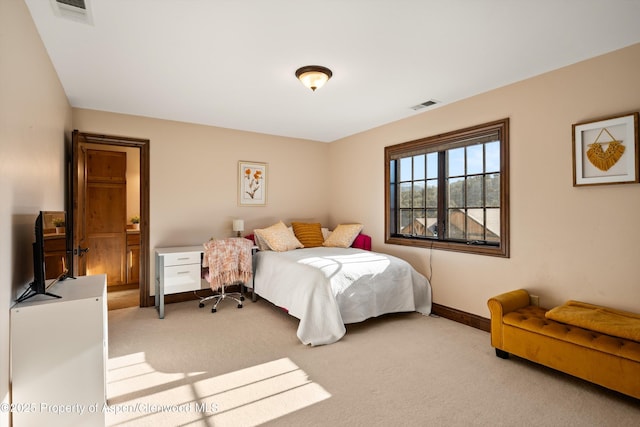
x: 178, y: 269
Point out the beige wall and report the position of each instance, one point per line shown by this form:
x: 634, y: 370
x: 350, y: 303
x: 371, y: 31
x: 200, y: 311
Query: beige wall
x: 35, y: 118
x: 566, y: 242
x: 194, y: 175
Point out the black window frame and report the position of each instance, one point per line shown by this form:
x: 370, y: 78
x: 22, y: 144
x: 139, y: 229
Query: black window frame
x: 440, y: 144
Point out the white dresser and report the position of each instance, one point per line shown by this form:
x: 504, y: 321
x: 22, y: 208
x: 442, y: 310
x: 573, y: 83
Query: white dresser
x: 59, y: 354
x: 178, y: 269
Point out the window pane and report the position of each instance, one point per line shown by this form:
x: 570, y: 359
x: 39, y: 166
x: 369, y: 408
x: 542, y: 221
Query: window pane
x: 406, y: 217
x: 455, y: 224
x: 492, y: 183
x: 418, y: 194
x: 432, y: 193
x: 432, y: 223
x: 405, y: 169
x: 475, y: 224
x: 474, y: 191
x: 455, y: 162
x: 418, y: 167
x: 393, y: 212
x: 492, y: 151
x: 474, y: 159
x: 456, y: 192
x: 419, y: 222
x: 405, y: 194
x: 432, y: 165
x: 392, y: 172
x: 493, y: 225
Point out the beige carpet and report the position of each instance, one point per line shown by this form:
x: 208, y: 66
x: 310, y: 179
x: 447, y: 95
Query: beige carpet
x: 124, y: 298
x: 246, y: 367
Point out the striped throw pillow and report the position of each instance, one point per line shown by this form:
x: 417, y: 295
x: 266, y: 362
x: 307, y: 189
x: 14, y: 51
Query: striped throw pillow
x: 309, y: 234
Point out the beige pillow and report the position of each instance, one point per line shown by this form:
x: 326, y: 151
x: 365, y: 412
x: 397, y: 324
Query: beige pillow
x: 276, y: 238
x: 343, y: 236
x: 260, y: 243
x: 325, y: 233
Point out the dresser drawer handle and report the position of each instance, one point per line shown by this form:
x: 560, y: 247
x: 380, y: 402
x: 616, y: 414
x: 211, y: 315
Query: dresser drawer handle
x: 184, y: 272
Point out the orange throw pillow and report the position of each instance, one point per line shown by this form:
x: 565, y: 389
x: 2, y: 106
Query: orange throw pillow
x: 310, y: 235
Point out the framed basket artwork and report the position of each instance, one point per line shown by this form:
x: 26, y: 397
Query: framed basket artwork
x: 606, y: 151
x: 252, y: 183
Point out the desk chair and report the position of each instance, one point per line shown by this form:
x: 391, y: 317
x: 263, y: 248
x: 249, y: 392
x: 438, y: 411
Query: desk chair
x: 236, y: 296
x: 229, y: 263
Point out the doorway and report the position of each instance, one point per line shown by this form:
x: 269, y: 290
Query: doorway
x: 105, y: 240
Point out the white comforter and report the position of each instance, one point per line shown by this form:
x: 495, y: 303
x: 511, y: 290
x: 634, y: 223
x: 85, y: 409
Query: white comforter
x: 328, y: 287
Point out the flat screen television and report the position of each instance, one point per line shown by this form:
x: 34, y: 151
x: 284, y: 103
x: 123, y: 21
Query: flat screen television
x: 50, y: 244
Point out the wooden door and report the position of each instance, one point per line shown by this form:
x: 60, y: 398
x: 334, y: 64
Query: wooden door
x: 79, y: 179
x: 106, y: 212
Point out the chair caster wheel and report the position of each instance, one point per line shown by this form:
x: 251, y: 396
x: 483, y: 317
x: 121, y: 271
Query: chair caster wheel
x: 201, y: 305
x: 213, y: 310
x: 239, y: 305
x: 241, y: 298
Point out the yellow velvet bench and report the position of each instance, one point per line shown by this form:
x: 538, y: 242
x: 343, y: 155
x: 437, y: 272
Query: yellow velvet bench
x: 519, y: 328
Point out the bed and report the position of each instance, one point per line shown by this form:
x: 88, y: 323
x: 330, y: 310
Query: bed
x: 328, y: 287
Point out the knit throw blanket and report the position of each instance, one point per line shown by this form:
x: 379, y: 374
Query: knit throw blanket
x: 228, y: 260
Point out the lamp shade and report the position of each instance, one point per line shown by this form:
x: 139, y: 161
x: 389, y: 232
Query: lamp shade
x: 313, y: 76
x: 238, y: 225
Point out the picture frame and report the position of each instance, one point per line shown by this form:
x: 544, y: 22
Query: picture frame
x: 252, y: 183
x: 606, y: 151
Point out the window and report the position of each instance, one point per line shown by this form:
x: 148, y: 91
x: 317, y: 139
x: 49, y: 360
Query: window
x: 450, y: 191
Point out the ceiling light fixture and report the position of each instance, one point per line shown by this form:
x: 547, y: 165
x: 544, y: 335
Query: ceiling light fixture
x: 313, y: 76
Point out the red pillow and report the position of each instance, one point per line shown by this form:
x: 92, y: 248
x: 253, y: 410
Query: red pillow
x: 362, y: 241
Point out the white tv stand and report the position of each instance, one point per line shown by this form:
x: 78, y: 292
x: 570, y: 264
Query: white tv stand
x: 59, y: 354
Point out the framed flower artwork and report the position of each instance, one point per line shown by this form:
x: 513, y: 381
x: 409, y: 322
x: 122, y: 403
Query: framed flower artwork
x: 252, y: 183
x: 606, y: 151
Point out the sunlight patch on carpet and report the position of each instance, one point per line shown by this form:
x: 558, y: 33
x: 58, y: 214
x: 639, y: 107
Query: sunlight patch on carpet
x: 247, y: 397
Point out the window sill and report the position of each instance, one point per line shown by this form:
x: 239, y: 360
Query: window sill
x: 477, y: 249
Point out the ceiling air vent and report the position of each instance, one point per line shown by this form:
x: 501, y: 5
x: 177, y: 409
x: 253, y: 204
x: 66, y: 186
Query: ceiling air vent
x: 74, y: 3
x: 425, y: 104
x: 76, y: 10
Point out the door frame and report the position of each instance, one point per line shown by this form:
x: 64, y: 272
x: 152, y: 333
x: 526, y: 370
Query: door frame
x: 143, y: 145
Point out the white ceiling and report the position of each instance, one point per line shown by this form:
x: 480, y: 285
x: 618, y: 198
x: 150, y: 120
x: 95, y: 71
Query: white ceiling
x: 231, y: 63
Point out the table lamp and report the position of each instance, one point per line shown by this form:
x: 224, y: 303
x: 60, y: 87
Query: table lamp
x: 238, y: 226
